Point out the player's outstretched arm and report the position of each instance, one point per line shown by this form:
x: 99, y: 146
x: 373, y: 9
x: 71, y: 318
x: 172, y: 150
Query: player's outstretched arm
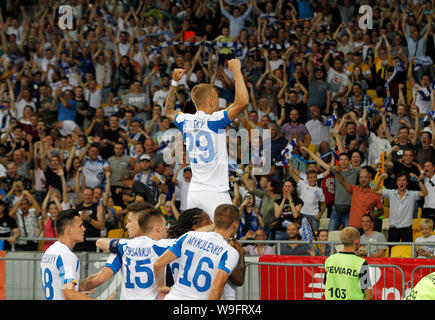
x: 96, y: 280
x: 170, y: 100
x: 104, y: 244
x: 71, y: 294
x: 241, y: 100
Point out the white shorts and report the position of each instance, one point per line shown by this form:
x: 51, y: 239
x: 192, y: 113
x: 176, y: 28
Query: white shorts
x: 68, y: 128
x: 207, y: 200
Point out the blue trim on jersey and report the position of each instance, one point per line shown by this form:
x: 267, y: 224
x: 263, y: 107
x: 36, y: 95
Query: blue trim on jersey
x: 113, y: 246
x: 222, y: 263
x: 176, y: 248
x: 115, y: 265
x: 217, y: 125
x: 60, y: 267
x: 159, y: 250
x: 179, y: 125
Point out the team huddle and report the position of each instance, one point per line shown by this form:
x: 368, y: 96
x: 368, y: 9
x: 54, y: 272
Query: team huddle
x: 156, y: 263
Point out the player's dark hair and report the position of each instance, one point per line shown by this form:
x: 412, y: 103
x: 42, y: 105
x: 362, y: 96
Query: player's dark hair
x: 63, y: 219
x: 185, y: 222
x: 145, y: 213
x: 225, y: 215
x: 147, y: 218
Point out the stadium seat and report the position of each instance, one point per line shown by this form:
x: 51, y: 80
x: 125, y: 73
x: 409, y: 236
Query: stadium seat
x: 401, y: 252
x: 387, y: 251
x: 419, y: 213
x: 335, y: 236
x: 324, y: 223
x: 115, y: 233
x: 416, y: 224
x: 385, y: 224
x: 125, y: 234
x: 386, y: 213
x: 409, y: 92
x: 379, y: 101
x: 372, y: 93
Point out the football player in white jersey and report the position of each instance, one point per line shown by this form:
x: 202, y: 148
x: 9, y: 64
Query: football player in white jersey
x: 206, y: 260
x: 138, y: 255
x: 205, y: 138
x: 60, y: 267
x: 113, y: 263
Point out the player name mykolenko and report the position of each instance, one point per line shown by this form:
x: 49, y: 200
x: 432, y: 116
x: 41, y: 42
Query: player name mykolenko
x: 204, y: 245
x: 218, y: 309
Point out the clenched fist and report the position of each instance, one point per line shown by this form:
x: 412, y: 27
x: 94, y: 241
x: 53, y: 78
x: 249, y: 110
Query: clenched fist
x: 177, y: 74
x: 234, y: 65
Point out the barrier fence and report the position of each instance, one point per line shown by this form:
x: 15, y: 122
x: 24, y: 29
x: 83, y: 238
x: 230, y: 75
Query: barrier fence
x: 267, y: 277
x: 335, y: 245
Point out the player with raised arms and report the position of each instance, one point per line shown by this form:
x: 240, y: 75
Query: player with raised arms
x: 206, y: 260
x: 205, y: 138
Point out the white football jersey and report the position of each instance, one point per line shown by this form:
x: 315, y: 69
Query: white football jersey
x: 206, y: 148
x: 59, y: 266
x: 201, y: 255
x: 136, y: 258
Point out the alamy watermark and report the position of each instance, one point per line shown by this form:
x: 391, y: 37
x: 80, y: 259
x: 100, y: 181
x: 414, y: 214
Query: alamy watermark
x: 243, y: 147
x: 66, y: 17
x: 366, y: 20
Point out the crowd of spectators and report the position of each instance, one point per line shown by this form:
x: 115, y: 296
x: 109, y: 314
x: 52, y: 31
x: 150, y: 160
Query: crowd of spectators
x: 83, y: 124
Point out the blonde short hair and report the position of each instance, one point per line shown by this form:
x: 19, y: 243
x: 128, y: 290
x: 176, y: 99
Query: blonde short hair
x: 200, y: 93
x: 349, y: 235
x: 427, y: 223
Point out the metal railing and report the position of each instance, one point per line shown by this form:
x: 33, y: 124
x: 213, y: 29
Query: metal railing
x: 23, y: 281
x: 277, y: 243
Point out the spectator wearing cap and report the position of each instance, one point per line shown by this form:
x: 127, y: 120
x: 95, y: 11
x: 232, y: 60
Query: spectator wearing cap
x: 149, y: 178
x: 319, y: 93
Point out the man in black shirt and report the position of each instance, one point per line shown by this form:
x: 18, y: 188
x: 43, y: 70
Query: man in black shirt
x: 83, y: 110
x: 94, y: 220
x: 8, y: 228
x: 111, y: 137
